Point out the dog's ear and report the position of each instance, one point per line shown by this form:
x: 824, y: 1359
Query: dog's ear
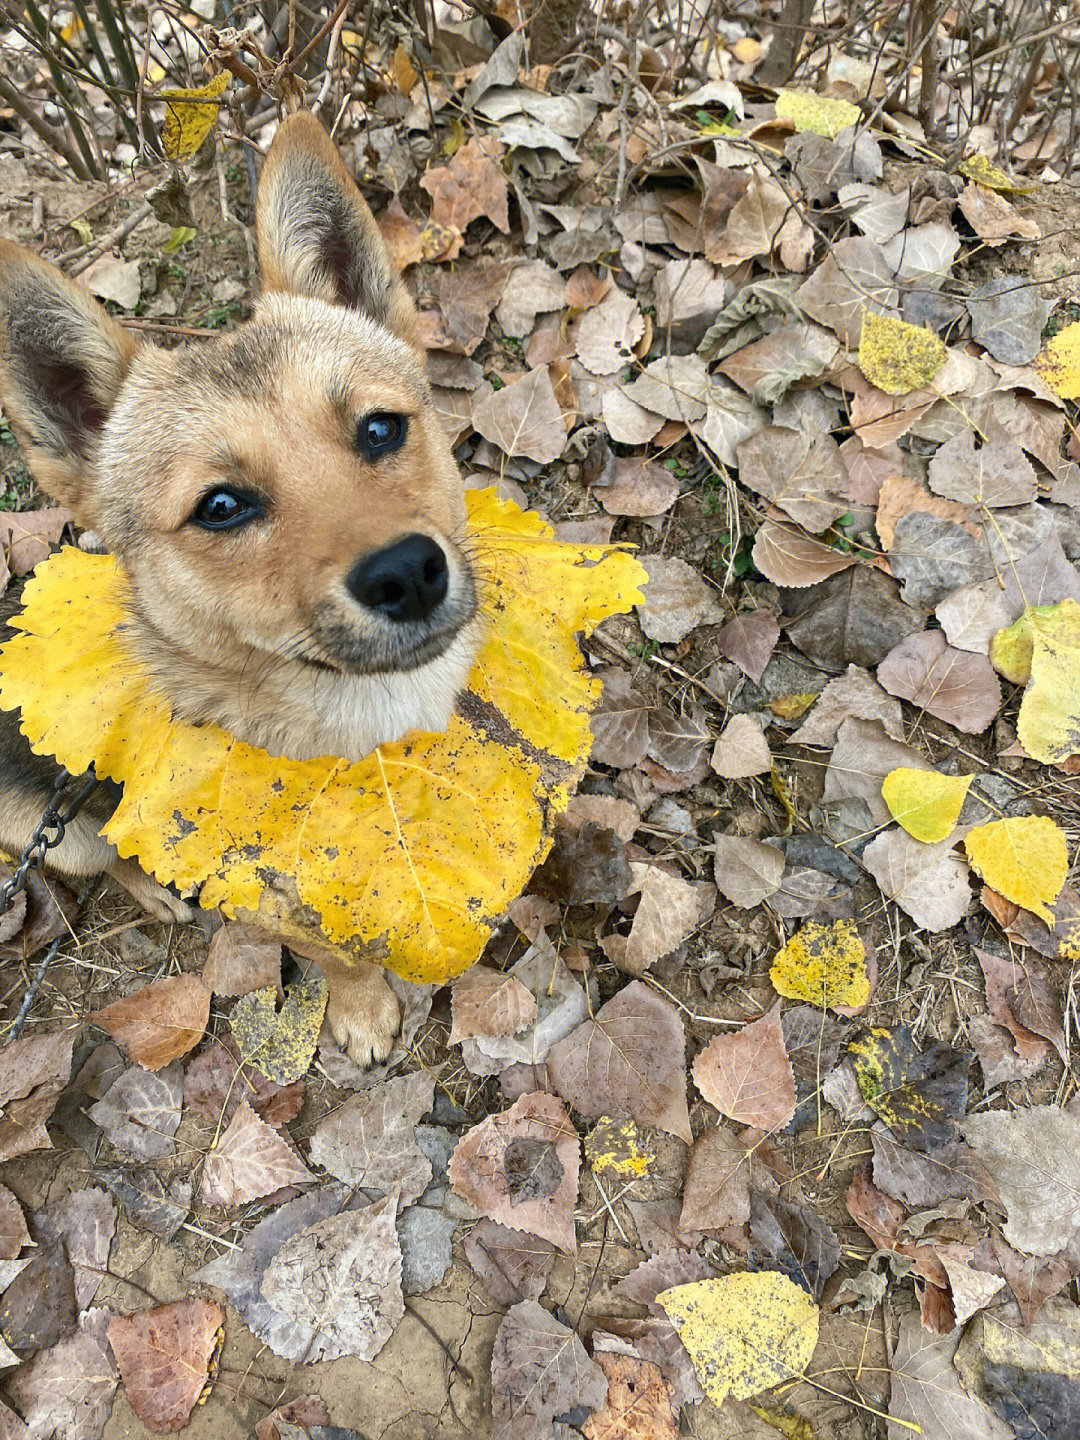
x: 316, y: 234
x: 62, y: 362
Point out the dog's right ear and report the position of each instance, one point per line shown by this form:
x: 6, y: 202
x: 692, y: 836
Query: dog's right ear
x: 62, y: 362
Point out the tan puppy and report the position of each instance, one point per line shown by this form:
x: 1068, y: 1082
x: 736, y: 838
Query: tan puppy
x: 283, y: 498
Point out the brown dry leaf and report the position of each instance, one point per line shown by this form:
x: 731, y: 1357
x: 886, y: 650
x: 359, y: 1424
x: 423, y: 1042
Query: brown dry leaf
x: 68, y: 1390
x: 1034, y: 1278
x: 86, y: 1222
x: 218, y: 1080
x: 854, y: 277
x: 13, y: 1232
x: 764, y: 220
x: 640, y: 1403
x: 370, y: 1141
x: 626, y: 421
x: 606, y: 335
x: 716, y: 1195
x: 140, y: 1111
x: 669, y: 911
x: 929, y: 882
x: 855, y: 693
x: 489, y: 1002
x: 769, y: 367
x: 673, y: 386
x: 628, y: 1061
x: 403, y: 236
x: 521, y: 1168
x: 159, y: 1023
x: 164, y: 1357
x: 38, y: 1303
x: 1020, y: 996
x: 242, y: 958
x: 749, y: 640
x: 639, y: 487
x: 523, y: 418
x: 747, y: 871
x: 862, y: 757
x: 511, y: 1265
x: 747, y: 1075
x: 904, y: 495
x: 250, y: 1161
x: 802, y: 473
x: 539, y: 1369
x: 471, y: 185
x: 33, y: 1071
x: 955, y: 685
x: 678, y: 742
x: 993, y: 218
x: 620, y: 724
x: 741, y: 750
x: 673, y: 1266
x: 788, y: 556
x: 532, y: 289
x: 28, y: 536
x: 677, y: 600
x: 302, y: 1414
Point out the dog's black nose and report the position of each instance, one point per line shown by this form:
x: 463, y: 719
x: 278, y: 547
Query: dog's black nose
x: 406, y: 581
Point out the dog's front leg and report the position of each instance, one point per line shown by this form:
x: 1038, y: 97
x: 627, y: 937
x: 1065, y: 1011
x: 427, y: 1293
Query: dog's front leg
x: 363, y: 1011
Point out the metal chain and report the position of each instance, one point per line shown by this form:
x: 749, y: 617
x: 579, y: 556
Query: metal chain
x: 56, y: 817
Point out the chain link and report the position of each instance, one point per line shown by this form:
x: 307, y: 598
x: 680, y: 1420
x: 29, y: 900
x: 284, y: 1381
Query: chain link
x: 56, y: 817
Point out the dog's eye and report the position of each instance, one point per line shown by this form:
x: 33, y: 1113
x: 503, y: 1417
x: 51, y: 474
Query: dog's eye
x: 381, y: 433
x: 224, y: 510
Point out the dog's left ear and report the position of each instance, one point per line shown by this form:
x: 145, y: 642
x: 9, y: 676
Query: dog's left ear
x: 316, y: 234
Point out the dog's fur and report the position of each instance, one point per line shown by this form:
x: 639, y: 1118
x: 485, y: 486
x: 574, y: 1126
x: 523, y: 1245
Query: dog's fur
x: 252, y: 628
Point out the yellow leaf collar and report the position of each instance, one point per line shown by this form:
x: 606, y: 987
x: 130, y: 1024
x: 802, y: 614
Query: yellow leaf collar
x: 408, y: 856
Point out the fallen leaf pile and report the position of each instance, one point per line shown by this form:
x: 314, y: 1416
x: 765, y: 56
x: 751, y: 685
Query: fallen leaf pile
x: 761, y: 1098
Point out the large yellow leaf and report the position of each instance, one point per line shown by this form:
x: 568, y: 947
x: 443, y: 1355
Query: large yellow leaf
x: 408, y: 856
x: 898, y: 357
x: 1042, y: 648
x: 745, y: 1333
x: 927, y: 805
x: 1059, y: 363
x: 190, y: 116
x: 1024, y: 858
x: 824, y: 965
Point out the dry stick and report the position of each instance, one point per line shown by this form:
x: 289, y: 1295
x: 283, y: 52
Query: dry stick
x: 53, y: 138
x: 624, y: 99
x: 87, y: 254
x: 930, y: 72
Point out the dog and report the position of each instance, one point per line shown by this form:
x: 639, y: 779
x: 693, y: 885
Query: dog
x: 283, y: 499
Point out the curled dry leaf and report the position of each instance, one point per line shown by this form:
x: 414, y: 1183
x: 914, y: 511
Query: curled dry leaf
x: 33, y: 1071
x: 741, y: 750
x: 747, y: 1075
x: 164, y: 1357
x: 628, y: 1061
x: 251, y: 1160
x: 485, y: 1168
x: 160, y: 1022
x: 489, y: 1002
x: 370, y: 1142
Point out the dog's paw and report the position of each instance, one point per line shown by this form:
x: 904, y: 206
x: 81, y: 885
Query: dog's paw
x: 155, y: 899
x: 363, y: 1013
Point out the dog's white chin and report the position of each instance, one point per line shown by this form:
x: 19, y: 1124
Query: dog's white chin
x: 348, y: 716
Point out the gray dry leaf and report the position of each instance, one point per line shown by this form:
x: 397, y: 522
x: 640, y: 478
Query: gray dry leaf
x: 862, y: 757
x: 716, y: 1195
x: 678, y: 741
x: 931, y: 555
x: 677, y: 600
x: 628, y: 1061
x: 749, y: 640
x: 927, y: 1392
x: 426, y: 1237
x: 531, y: 290
x: 730, y: 416
x: 929, y: 882
x: 997, y: 474
x: 854, y: 277
x: 639, y: 487
x: 789, y: 557
x: 954, y: 685
x: 342, y: 1278
x: 606, y: 334
x: 801, y: 473
x: 620, y: 724
x: 669, y: 911
x: 1034, y: 1156
x: 242, y: 958
x: 971, y: 1289
x: 86, y: 1221
x: 33, y: 1071
x: 797, y: 1241
x: 370, y: 1142
x: 250, y: 1161
x: 510, y: 1264
x: 855, y: 693
x: 523, y: 418
x: 972, y: 616
x: 660, y: 1272
x: 140, y: 1112
x: 539, y: 1369
x: 747, y: 1075
x: 769, y: 367
x: 489, y: 1002
x: 13, y: 1232
x: 151, y: 1203
x: 920, y: 1180
x: 67, y: 1390
x: 741, y: 750
x: 747, y: 871
x: 674, y: 387
x: 855, y: 617
x: 1008, y: 316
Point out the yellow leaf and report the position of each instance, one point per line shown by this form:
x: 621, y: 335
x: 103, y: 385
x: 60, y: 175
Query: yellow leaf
x: 898, y: 357
x: 824, y: 965
x: 1059, y: 363
x: 190, y: 116
x: 1024, y: 859
x: 816, y: 112
x: 280, y: 1043
x: 744, y: 1333
x: 620, y: 1148
x: 925, y: 803
x: 1043, y: 649
x: 402, y: 71
x: 407, y: 856
x: 983, y: 171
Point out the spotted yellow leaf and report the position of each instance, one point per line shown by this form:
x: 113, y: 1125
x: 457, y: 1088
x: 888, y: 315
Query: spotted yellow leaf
x: 898, y: 357
x: 983, y: 171
x: 280, y: 1043
x: 620, y: 1148
x: 190, y: 116
x: 823, y: 965
x: 745, y: 1332
x: 1059, y: 363
x: 819, y: 113
x: 408, y: 856
x: 927, y: 805
x: 1023, y: 858
x: 1042, y: 650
